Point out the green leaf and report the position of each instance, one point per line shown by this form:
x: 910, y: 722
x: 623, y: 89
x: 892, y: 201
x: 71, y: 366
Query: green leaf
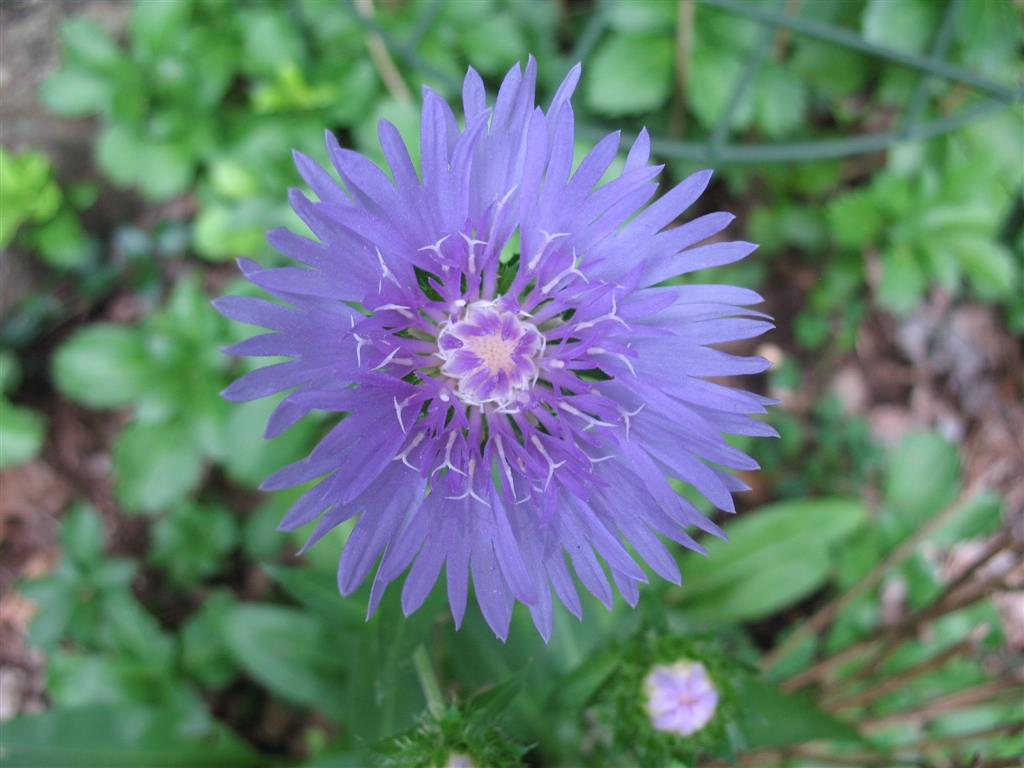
x: 119, y: 154
x: 855, y: 219
x: 88, y: 44
x: 644, y: 16
x: 204, y: 652
x: 82, y: 534
x: 74, y: 92
x: 978, y: 518
x: 903, y: 282
x: 155, y: 466
x: 193, y: 542
x: 906, y: 25
x: 21, y: 434
x: 165, y: 169
x: 120, y: 736
x: 771, y: 718
x: 292, y: 653
x: 62, y: 242
x: 709, y: 84
x: 270, y: 39
x: 780, y: 101
x: 921, y: 455
x: 774, y: 556
x: 10, y: 371
x: 318, y: 591
x: 989, y: 266
x: 494, y: 44
x: 630, y: 74
x: 248, y: 457
x: 29, y: 192
x: 157, y: 25
x: 102, y: 365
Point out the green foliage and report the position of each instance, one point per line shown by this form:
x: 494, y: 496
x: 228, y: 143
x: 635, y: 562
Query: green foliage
x: 121, y: 736
x: 772, y: 559
x: 75, y: 598
x: 38, y: 212
x: 289, y: 651
x: 192, y: 542
x: 197, y: 106
x: 632, y: 74
x: 466, y: 732
x: 21, y: 429
x: 170, y: 370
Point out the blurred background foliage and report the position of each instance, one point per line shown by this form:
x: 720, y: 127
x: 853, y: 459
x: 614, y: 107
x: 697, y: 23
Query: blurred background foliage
x: 868, y: 607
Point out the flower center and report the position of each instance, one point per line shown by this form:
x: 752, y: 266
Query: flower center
x: 491, y: 353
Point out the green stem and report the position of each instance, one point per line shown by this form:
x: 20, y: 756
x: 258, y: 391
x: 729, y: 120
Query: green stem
x: 428, y: 682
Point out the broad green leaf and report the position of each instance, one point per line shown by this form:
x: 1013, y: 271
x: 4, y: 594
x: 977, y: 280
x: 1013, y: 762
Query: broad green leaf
x: 88, y: 44
x: 978, y: 518
x: 709, y: 85
x: 165, y: 169
x: 21, y: 434
x: 923, y: 476
x: 119, y: 154
x: 900, y: 24
x: 74, y: 92
x: 102, y: 365
x: 318, y: 591
x: 989, y: 33
x: 270, y: 40
x: 62, y: 242
x: 771, y: 718
x: 292, y: 653
x: 248, y: 457
x: 10, y: 371
x: 775, y: 586
x: 903, y: 282
x: 82, y: 534
x: 155, y: 466
x: 157, y: 25
x: 989, y: 265
x: 780, y: 101
x: 775, y: 555
x: 630, y: 74
x: 204, y: 652
x: 767, y: 533
x: 644, y: 16
x: 495, y: 44
x: 120, y: 736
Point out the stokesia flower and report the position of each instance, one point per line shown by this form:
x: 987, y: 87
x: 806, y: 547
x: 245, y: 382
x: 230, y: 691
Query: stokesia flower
x: 680, y: 697
x: 507, y: 399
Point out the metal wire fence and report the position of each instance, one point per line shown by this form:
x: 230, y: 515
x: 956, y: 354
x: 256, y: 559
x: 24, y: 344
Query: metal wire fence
x: 717, y: 148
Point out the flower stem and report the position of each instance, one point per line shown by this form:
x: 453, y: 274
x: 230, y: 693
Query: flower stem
x: 428, y: 682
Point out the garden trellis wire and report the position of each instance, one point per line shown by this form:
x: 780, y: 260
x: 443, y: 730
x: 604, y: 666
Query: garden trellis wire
x: 716, y: 149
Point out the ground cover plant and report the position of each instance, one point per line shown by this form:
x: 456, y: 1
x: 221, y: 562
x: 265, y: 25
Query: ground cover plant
x: 867, y: 608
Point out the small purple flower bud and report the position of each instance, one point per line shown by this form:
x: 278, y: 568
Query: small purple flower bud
x: 681, y: 698
x: 456, y: 760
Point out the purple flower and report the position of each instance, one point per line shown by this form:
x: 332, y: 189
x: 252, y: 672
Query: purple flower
x: 505, y: 404
x: 680, y: 697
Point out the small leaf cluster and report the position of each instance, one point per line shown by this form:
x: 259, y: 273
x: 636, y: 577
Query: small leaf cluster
x: 38, y: 215
x: 21, y: 429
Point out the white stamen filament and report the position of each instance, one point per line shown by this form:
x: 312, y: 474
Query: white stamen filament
x: 552, y: 464
x: 608, y: 316
x: 404, y: 454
